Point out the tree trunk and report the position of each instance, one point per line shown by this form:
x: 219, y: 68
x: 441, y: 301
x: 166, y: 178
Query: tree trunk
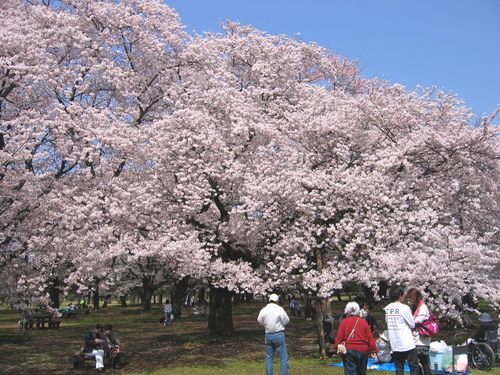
x: 320, y: 261
x: 369, y: 295
x: 123, y: 301
x: 337, y: 294
x: 383, y: 287
x: 160, y: 299
x: 177, y: 297
x: 146, y: 299
x: 220, y: 316
x: 54, y: 294
x: 201, y: 296
x: 95, y: 294
x: 327, y: 309
x: 147, y: 293
x: 308, y: 313
x: 321, y: 331
x: 95, y: 298
x: 237, y: 299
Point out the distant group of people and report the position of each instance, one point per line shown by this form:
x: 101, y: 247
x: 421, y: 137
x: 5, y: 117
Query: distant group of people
x: 102, y: 342
x: 68, y: 311
x: 196, y: 307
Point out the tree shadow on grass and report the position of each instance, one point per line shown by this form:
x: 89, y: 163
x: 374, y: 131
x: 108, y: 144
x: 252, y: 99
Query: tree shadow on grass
x: 14, y: 340
x: 202, y: 338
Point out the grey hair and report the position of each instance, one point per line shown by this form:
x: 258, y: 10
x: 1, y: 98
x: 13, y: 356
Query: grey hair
x: 352, y: 308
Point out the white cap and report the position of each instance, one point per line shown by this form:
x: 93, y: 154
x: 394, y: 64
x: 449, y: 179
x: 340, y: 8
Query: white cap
x: 274, y: 298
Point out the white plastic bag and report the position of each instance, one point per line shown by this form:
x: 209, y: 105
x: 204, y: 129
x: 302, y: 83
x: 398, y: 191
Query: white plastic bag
x: 438, y: 346
x: 461, y: 362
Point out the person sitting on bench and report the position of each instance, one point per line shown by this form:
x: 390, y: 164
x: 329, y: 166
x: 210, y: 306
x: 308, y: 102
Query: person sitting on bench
x: 112, y: 346
x: 70, y: 311
x: 94, y: 345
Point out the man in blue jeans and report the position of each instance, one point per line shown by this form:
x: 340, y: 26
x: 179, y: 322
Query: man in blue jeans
x: 168, y: 310
x: 274, y: 318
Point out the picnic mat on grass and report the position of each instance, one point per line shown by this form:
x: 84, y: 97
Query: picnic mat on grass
x: 391, y: 367
x: 377, y: 366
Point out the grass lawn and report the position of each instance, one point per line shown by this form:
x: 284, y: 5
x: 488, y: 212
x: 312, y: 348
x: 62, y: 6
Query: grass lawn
x: 150, y: 348
x: 309, y: 366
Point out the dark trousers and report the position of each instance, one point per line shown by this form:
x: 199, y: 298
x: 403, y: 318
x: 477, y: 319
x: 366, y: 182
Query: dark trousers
x: 355, y: 362
x: 423, y: 359
x: 399, y: 360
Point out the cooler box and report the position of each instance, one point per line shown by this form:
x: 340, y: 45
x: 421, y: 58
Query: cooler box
x: 440, y: 361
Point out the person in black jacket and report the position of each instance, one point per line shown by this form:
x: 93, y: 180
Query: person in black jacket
x: 94, y: 345
x: 112, y: 345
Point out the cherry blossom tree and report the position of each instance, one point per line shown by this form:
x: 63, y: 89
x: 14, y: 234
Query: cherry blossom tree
x: 78, y: 78
x: 134, y: 155
x: 387, y: 186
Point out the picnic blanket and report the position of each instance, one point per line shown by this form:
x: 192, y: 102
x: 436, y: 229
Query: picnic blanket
x: 377, y: 366
x: 434, y: 372
x: 391, y: 367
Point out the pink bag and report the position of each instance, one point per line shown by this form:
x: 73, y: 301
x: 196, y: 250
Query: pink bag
x: 429, y: 327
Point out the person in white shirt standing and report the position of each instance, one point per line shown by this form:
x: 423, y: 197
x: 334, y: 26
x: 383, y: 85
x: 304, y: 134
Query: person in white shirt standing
x: 274, y: 319
x: 400, y: 322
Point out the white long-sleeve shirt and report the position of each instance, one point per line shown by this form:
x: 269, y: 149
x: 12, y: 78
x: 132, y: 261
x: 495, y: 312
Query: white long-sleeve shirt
x: 273, y: 317
x: 422, y: 314
x: 400, y: 322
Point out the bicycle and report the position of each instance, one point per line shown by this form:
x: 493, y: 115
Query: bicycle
x: 481, y: 355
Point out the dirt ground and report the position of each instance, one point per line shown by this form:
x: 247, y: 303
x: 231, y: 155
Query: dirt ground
x: 150, y: 346
x: 147, y: 344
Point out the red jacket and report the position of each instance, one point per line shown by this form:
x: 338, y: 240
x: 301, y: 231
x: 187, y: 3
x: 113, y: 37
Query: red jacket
x: 362, y: 341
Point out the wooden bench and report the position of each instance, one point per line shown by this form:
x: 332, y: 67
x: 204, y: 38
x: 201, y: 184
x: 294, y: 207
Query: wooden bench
x: 25, y: 323
x: 40, y: 321
x: 79, y: 358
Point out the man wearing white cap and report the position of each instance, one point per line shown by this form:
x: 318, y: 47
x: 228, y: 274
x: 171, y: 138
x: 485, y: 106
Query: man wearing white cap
x: 274, y: 318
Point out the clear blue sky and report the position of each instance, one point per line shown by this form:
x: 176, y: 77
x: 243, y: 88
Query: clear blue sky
x: 451, y: 44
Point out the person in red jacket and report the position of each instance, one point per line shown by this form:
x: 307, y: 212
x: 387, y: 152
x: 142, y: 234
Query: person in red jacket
x: 355, y: 332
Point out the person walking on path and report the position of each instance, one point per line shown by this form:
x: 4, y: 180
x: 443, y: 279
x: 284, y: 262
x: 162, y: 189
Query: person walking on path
x: 295, y: 307
x: 274, y: 319
x: 358, y: 339
x: 400, y: 322
x: 167, y: 309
